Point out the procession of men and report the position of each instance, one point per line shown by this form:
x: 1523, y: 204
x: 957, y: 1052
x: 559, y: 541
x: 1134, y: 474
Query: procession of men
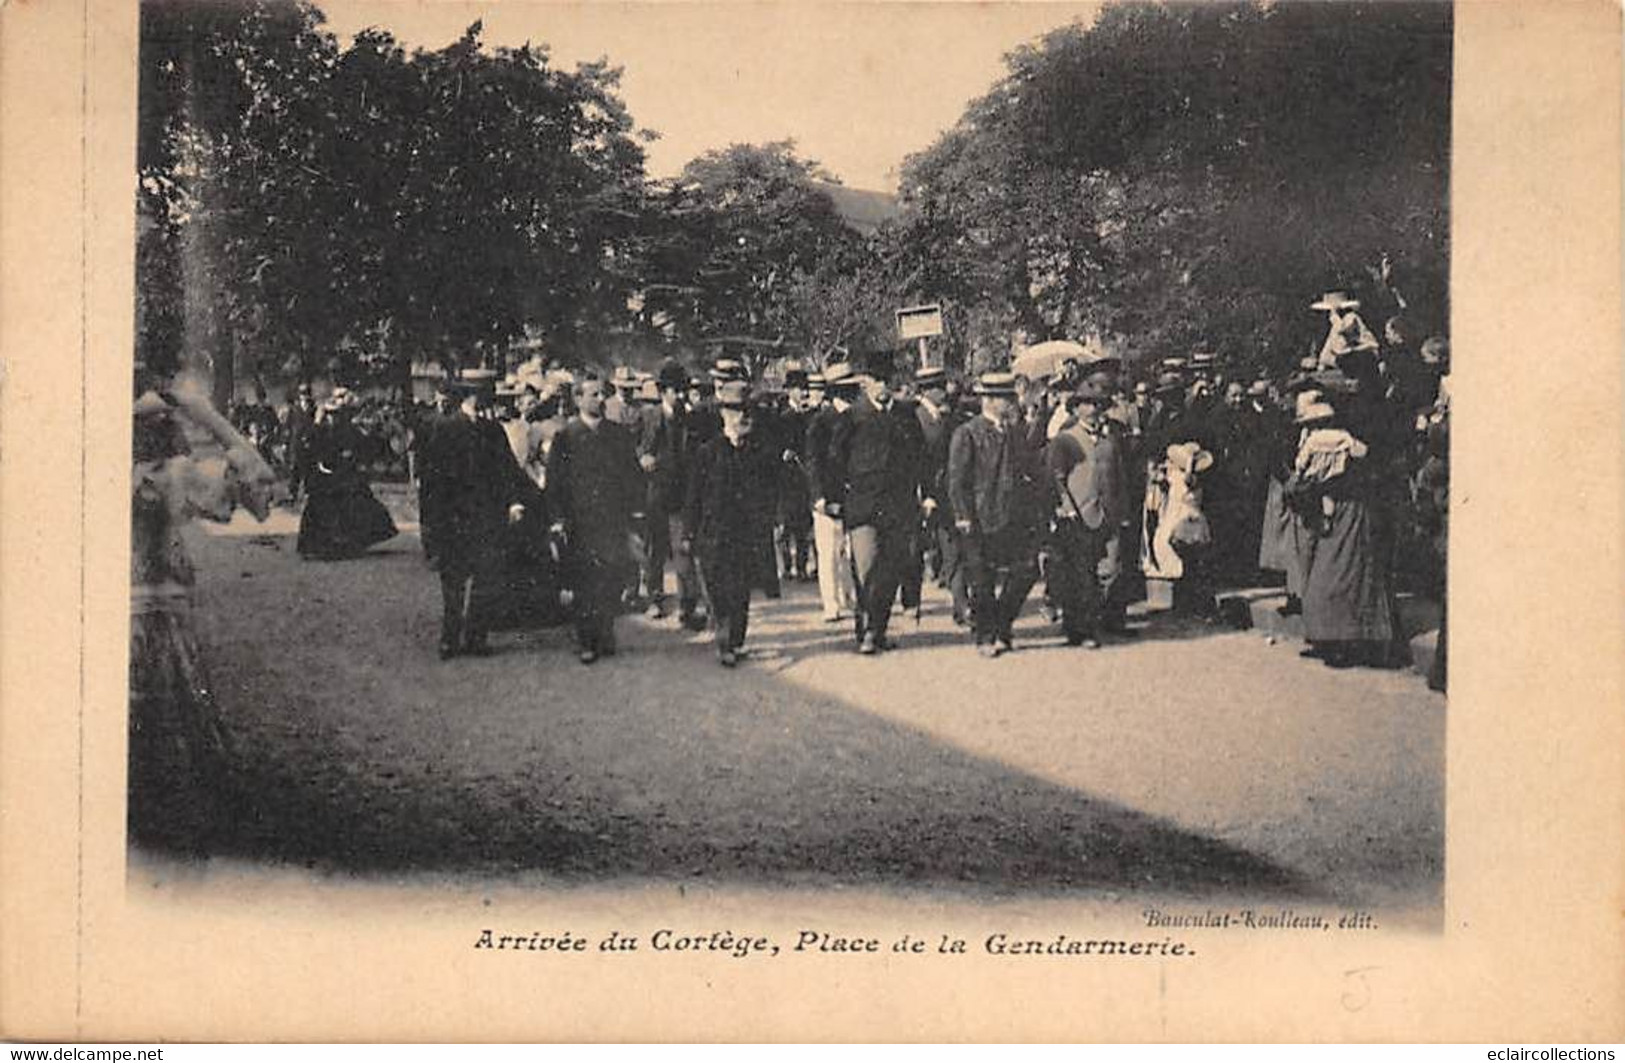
x: 876, y: 477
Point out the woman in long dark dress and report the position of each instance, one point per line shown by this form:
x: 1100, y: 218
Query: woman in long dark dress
x: 1348, y: 609
x: 341, y: 518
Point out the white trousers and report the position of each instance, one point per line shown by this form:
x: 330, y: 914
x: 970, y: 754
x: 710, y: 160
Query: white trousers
x: 835, y: 587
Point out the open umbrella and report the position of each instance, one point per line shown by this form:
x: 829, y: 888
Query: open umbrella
x: 1043, y: 360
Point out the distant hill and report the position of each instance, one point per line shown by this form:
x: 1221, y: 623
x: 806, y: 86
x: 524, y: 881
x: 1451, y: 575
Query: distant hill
x: 862, y: 209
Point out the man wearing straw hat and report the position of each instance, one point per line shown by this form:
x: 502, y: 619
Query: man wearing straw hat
x: 993, y: 478
x: 835, y: 589
x: 729, y: 514
x: 877, y: 469
x: 665, y: 453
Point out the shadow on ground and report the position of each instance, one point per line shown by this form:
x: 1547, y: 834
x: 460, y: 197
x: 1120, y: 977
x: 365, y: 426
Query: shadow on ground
x: 360, y: 752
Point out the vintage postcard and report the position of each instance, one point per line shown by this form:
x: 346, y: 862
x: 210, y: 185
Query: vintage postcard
x: 678, y: 521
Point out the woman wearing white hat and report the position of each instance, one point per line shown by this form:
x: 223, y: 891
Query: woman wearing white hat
x: 1347, y: 610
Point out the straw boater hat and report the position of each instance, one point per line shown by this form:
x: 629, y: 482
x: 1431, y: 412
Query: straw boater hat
x: 931, y: 377
x: 996, y: 385
x: 728, y: 369
x: 815, y: 381
x: 1312, y: 408
x: 624, y: 378
x: 839, y: 375
x: 733, y: 395
x: 1335, y: 300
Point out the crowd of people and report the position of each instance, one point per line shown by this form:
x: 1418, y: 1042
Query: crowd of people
x: 588, y: 495
x: 551, y: 497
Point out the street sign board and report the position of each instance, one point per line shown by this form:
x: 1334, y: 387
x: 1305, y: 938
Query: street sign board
x: 918, y: 322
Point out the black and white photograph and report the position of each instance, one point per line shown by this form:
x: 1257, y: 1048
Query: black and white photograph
x: 811, y: 522
x: 988, y: 452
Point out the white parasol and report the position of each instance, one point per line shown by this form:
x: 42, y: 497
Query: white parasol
x: 1043, y: 360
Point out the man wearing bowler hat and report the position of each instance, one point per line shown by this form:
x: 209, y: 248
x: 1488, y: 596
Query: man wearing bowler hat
x: 994, y: 487
x: 1087, y: 462
x: 666, y: 454
x: 729, y: 515
x: 794, y: 518
x: 937, y: 424
x: 877, y: 489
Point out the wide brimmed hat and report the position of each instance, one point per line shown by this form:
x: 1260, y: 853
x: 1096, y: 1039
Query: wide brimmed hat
x: 1335, y: 300
x: 840, y: 375
x: 151, y: 404
x: 1190, y: 457
x: 931, y: 376
x: 1312, y: 408
x: 728, y: 369
x: 733, y: 395
x: 815, y: 381
x: 996, y: 385
x: 1170, y: 382
x: 624, y: 377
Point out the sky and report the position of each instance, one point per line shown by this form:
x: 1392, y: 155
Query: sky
x: 858, y: 86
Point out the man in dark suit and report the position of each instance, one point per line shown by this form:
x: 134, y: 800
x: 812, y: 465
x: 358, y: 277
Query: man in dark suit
x: 1086, y: 460
x: 729, y: 515
x: 937, y: 424
x: 297, y: 432
x: 835, y: 590
x: 595, y: 485
x: 993, y: 482
x: 429, y: 470
x: 876, y: 480
x: 794, y: 516
x: 666, y: 453
x: 482, y: 491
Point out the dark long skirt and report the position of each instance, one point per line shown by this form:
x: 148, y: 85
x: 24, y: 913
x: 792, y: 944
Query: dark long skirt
x: 1288, y: 543
x: 180, y: 757
x: 1346, y: 597
x: 342, y: 519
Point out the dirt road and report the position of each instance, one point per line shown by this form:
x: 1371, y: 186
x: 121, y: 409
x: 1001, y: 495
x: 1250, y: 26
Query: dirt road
x: 1191, y: 761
